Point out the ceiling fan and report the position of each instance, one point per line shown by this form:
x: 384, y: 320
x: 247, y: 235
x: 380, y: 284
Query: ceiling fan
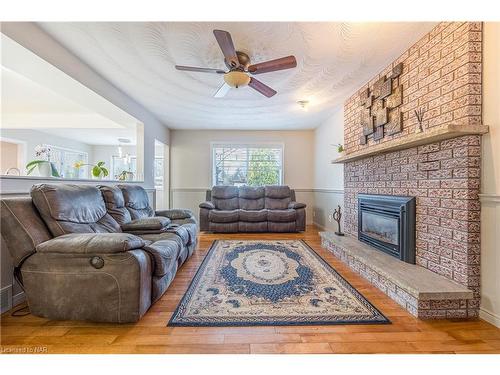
x: 239, y: 67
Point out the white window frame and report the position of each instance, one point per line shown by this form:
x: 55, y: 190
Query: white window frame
x: 72, y: 150
x: 112, y: 164
x: 215, y: 144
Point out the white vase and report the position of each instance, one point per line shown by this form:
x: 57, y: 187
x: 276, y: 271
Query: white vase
x: 45, y: 169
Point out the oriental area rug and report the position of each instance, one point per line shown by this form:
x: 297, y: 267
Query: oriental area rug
x: 256, y: 283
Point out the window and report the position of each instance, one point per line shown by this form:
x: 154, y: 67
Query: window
x: 254, y: 165
x: 65, y: 159
x: 122, y: 164
x: 158, y: 172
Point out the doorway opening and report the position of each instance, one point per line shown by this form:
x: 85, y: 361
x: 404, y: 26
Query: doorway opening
x: 161, y: 175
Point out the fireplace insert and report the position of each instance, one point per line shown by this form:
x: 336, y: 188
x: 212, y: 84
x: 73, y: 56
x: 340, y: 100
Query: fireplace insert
x: 387, y: 222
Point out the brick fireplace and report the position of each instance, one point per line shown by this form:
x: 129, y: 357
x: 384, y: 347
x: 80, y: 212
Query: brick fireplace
x: 441, y: 73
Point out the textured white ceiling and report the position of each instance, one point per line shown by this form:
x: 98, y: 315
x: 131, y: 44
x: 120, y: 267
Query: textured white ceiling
x: 333, y: 60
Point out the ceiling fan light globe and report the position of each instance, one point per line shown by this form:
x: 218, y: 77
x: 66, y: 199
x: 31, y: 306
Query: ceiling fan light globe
x: 236, y: 78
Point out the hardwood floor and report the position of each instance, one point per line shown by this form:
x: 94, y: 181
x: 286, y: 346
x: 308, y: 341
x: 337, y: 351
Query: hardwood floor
x: 406, y: 334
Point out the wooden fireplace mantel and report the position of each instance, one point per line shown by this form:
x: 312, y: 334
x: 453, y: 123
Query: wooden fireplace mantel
x: 435, y: 134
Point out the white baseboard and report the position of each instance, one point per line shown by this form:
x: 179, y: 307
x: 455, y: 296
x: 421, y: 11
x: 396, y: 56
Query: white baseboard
x: 489, y: 317
x: 7, y: 301
x: 18, y: 299
x: 323, y: 228
x: 5, y: 298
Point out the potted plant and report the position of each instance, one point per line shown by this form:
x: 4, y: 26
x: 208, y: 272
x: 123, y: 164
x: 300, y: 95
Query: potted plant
x: 126, y: 176
x: 98, y: 170
x: 45, y: 167
x: 340, y: 149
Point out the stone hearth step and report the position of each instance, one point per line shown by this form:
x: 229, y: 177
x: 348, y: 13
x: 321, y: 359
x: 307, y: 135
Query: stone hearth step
x: 423, y: 293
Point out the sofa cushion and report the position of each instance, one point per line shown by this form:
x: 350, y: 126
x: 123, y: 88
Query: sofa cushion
x: 222, y: 216
x: 281, y: 215
x: 251, y: 198
x: 136, y: 201
x: 277, y: 191
x: 191, y: 228
x: 296, y: 205
x: 223, y: 227
x: 146, y: 224
x: 250, y: 192
x: 22, y: 227
x: 225, y: 192
x: 277, y: 197
x: 91, y: 243
x: 164, y: 254
x: 207, y: 205
x: 183, y: 232
x: 175, y: 213
x: 248, y: 227
x: 225, y: 197
x: 69, y: 208
x: 154, y: 237
x: 115, y: 203
x: 281, y: 227
x: 253, y: 216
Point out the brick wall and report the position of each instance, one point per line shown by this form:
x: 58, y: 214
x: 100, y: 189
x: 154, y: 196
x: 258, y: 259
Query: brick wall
x: 441, y: 72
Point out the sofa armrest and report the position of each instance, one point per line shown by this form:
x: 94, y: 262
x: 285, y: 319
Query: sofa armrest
x: 207, y: 205
x: 91, y: 243
x: 175, y: 214
x: 296, y: 205
x: 146, y: 223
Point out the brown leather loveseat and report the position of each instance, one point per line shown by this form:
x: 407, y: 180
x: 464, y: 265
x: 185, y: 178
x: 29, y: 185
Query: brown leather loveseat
x: 94, y: 253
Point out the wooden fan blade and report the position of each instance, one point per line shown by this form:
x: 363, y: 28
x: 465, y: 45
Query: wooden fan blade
x: 222, y: 91
x: 260, y: 87
x: 273, y: 65
x: 196, y: 69
x: 227, y: 47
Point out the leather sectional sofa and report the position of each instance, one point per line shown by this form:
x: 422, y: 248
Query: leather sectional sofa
x: 230, y: 209
x: 94, y: 253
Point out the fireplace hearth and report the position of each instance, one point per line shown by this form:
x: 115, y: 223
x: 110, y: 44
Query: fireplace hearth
x: 387, y: 222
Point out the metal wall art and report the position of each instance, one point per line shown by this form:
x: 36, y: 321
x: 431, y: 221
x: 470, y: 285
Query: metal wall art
x: 379, y: 133
x: 396, y: 71
x: 380, y: 113
x: 395, y: 99
x: 366, y: 121
x: 395, y: 124
x: 386, y: 89
x: 377, y: 86
x: 381, y: 117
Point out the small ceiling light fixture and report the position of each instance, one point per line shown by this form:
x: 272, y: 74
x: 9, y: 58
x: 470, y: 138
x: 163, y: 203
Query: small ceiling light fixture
x: 303, y: 104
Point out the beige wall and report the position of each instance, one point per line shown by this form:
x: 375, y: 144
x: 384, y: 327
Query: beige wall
x: 191, y: 170
x: 8, y: 156
x: 490, y: 198
x: 328, y: 177
x: 326, y: 138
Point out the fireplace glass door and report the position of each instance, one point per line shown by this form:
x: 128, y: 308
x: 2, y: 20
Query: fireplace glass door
x: 381, y: 227
x: 387, y: 222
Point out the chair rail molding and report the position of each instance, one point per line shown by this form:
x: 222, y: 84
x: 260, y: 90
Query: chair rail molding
x: 494, y: 198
